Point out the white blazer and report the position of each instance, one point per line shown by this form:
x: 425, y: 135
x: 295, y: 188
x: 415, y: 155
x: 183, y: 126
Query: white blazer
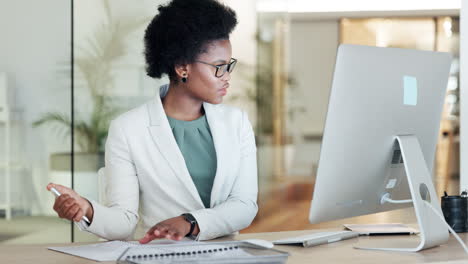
x: 146, y: 175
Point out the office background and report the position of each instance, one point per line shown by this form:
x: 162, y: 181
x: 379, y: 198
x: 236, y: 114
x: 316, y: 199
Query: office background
x: 286, y: 52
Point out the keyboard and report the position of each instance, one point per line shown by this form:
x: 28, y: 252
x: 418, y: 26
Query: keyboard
x: 319, y: 238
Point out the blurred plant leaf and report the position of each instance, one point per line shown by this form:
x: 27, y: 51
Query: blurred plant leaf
x: 94, y: 61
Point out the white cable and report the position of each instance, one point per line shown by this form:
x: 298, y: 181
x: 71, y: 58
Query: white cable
x: 386, y: 198
x: 450, y: 228
x: 399, y: 201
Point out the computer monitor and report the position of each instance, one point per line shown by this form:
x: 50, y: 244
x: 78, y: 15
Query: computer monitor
x: 380, y: 137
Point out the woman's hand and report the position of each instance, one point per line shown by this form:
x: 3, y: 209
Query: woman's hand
x: 173, y: 228
x: 70, y: 205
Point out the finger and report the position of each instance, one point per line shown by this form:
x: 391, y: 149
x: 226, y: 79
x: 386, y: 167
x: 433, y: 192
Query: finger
x: 78, y: 216
x: 178, y: 236
x: 147, y: 238
x: 161, y: 231
x: 59, y: 201
x: 66, y: 204
x: 157, y: 232
x: 62, y: 189
x: 71, y: 211
x: 50, y: 186
x: 174, y: 235
x: 151, y: 230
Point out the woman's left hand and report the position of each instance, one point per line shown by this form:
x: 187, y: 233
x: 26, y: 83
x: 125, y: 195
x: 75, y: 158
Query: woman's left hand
x: 173, y: 228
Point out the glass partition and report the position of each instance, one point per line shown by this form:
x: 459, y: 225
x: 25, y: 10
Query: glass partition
x: 110, y: 78
x: 35, y: 118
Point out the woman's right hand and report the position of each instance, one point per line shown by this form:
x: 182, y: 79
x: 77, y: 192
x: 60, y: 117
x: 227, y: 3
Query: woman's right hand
x: 70, y: 205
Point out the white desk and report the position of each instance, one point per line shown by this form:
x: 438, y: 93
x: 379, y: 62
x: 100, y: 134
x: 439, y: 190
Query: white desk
x: 339, y: 252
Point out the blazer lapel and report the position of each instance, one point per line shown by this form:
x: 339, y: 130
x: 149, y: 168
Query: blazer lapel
x: 161, y: 133
x: 219, y: 134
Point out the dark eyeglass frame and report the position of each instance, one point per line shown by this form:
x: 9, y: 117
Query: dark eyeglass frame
x: 230, y: 67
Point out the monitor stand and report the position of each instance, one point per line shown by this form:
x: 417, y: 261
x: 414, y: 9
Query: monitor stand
x: 433, y: 231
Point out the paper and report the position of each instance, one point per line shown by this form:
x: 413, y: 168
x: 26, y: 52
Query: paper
x: 111, y: 251
x: 381, y: 229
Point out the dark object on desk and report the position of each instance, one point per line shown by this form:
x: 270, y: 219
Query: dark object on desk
x: 455, y: 209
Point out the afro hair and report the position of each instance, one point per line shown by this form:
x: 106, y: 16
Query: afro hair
x: 180, y: 32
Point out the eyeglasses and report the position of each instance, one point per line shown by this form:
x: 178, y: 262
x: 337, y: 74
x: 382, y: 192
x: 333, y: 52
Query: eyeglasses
x: 221, y: 69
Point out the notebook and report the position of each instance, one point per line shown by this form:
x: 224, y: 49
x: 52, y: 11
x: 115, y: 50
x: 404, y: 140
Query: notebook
x: 168, y: 251
x: 206, y: 253
x: 110, y: 251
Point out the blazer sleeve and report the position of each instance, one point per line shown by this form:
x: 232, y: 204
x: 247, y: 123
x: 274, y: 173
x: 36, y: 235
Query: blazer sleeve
x: 239, y: 210
x: 118, y: 219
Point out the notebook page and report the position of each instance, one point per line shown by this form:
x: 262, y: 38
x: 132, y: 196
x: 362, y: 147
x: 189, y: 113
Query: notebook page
x: 109, y: 251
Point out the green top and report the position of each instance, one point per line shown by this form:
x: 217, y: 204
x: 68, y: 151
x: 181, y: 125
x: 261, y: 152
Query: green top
x: 196, y: 144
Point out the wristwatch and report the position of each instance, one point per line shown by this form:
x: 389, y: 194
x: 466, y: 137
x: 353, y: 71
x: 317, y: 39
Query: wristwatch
x: 192, y: 221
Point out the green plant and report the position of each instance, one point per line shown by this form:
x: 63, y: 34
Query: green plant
x: 94, y: 62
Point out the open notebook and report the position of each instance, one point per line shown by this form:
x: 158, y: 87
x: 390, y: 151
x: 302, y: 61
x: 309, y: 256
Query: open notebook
x: 166, y: 251
x: 112, y: 250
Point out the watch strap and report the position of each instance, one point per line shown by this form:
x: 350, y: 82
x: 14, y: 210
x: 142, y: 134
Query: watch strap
x: 192, y: 221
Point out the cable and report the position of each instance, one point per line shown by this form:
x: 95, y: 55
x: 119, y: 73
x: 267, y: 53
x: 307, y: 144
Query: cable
x: 449, y: 227
x: 386, y: 198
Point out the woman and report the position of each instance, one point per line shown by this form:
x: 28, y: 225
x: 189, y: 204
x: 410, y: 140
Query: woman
x: 183, y: 163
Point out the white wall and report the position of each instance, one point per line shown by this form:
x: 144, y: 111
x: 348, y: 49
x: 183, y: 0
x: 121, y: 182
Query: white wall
x: 463, y: 96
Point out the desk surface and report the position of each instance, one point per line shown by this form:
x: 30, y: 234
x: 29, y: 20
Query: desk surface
x: 339, y: 252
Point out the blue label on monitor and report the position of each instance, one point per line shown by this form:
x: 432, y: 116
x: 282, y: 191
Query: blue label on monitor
x: 410, y: 95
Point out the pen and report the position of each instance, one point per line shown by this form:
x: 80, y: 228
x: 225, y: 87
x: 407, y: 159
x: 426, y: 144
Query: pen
x: 57, y: 194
